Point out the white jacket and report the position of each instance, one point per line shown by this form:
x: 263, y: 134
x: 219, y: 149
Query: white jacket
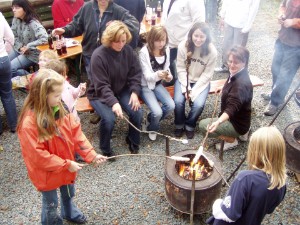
x: 239, y: 13
x: 150, y: 77
x: 201, y: 69
x: 182, y: 16
x: 6, y: 37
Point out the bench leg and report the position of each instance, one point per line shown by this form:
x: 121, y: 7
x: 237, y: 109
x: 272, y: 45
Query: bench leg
x: 221, y: 150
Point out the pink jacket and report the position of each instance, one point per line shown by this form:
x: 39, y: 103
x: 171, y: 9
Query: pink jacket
x: 69, y: 96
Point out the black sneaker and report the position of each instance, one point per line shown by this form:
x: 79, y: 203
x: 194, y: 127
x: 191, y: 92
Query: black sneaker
x: 189, y: 134
x: 81, y: 220
x: 133, y: 148
x: 178, y: 132
x: 94, y: 118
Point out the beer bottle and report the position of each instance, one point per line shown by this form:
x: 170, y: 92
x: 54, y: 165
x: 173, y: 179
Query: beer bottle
x: 50, y: 41
x: 158, y: 9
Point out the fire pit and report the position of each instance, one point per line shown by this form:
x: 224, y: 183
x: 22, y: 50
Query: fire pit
x: 292, y: 140
x: 179, y: 188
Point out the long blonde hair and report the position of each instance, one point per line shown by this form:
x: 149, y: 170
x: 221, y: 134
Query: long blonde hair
x: 266, y: 152
x: 43, y: 84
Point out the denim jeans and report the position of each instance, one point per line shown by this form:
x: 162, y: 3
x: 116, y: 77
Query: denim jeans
x: 152, y: 99
x: 225, y: 128
x: 108, y: 119
x: 189, y: 122
x: 232, y: 36
x: 19, y: 63
x: 6, y: 95
x: 286, y: 62
x: 87, y: 65
x: 68, y: 209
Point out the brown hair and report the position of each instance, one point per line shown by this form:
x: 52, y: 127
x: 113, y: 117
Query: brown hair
x: 113, y: 33
x: 266, y: 152
x: 157, y: 33
x: 45, y: 83
x: 239, y: 53
x: 204, y: 28
x: 58, y: 66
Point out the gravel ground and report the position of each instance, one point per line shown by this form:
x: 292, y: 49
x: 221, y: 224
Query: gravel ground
x: 131, y: 190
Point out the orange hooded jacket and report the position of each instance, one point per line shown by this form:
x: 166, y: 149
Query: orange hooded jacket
x: 48, y: 162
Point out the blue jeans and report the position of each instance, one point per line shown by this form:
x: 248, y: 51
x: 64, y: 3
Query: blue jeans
x: 152, y: 99
x: 189, y: 122
x: 6, y: 95
x: 19, y: 63
x: 286, y: 61
x: 68, y: 209
x: 108, y: 119
x: 87, y: 65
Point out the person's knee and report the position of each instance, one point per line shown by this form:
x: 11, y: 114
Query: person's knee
x: 203, y: 126
x: 108, y: 122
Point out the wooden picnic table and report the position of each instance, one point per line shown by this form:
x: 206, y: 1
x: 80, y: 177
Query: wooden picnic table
x: 71, y: 51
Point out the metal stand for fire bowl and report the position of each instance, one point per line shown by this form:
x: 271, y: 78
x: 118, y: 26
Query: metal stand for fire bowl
x: 273, y: 120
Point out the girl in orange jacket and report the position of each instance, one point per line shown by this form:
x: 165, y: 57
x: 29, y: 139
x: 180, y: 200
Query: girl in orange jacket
x: 49, y: 137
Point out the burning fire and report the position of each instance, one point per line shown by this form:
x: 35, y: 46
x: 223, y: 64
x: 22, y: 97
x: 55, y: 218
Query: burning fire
x: 202, y: 169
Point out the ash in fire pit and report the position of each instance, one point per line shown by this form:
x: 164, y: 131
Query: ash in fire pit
x: 202, y: 168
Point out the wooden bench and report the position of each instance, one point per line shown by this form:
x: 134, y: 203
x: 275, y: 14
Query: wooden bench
x: 83, y: 104
x: 42, y: 8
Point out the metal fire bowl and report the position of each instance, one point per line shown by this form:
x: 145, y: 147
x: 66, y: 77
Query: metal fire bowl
x: 292, y: 136
x: 178, y: 189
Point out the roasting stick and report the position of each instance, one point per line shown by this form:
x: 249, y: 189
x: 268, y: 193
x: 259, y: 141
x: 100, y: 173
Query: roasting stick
x: 176, y: 158
x: 183, y: 141
x: 200, y: 150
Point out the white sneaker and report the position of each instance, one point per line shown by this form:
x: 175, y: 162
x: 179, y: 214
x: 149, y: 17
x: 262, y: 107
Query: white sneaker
x: 227, y: 145
x: 245, y: 137
x: 152, y: 136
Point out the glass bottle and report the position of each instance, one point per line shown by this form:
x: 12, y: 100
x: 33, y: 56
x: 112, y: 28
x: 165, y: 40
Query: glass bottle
x: 63, y: 46
x: 50, y: 40
x: 58, y: 46
x: 158, y: 9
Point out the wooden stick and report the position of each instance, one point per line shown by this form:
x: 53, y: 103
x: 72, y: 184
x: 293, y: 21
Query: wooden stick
x: 183, y: 141
x: 176, y: 158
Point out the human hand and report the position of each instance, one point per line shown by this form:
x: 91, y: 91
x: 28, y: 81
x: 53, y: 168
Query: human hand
x: 99, y: 159
x: 187, y: 95
x: 134, y: 101
x: 162, y: 74
x: 58, y: 31
x: 23, y: 50
x: 75, y: 166
x: 281, y: 18
x: 117, y: 109
x: 218, y: 89
x: 82, y: 88
x: 212, y: 128
x: 169, y: 77
x: 288, y: 23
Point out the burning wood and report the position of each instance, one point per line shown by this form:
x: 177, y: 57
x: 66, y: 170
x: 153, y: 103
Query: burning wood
x: 202, y: 168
